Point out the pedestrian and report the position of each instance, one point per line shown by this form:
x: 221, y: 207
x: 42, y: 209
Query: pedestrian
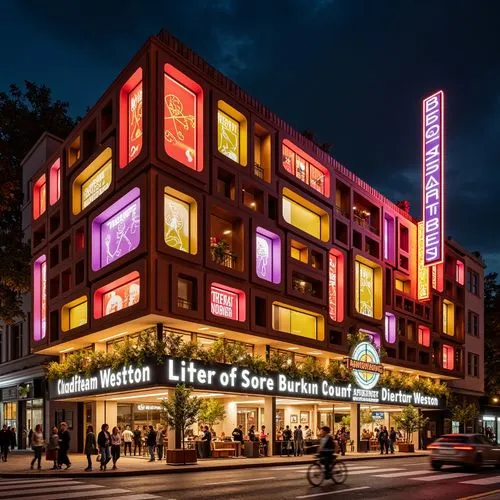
x: 308, y: 433
x: 13, y: 438
x: 128, y: 436
x: 160, y: 438
x: 326, y: 450
x: 116, y: 442
x: 53, y: 448
x: 342, y: 440
x: 64, y: 440
x: 5, y: 440
x: 137, y: 440
x: 145, y: 432
x: 207, y: 438
x: 104, y: 442
x: 251, y: 433
x: 263, y: 439
x: 382, y: 439
x: 30, y: 435
x: 90, y: 447
x: 392, y: 439
x: 300, y: 441
x: 37, y: 443
x: 295, y: 441
x: 287, y: 438
x: 151, y: 443
x: 238, y: 434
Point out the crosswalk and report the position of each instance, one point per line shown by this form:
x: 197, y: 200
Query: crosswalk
x: 62, y: 489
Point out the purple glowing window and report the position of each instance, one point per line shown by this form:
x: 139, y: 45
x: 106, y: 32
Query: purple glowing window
x: 389, y: 246
x: 390, y: 328
x: 117, y: 230
x: 267, y: 255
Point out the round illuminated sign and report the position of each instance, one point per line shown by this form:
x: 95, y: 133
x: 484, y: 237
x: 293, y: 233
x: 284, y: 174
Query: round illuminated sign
x: 365, y: 364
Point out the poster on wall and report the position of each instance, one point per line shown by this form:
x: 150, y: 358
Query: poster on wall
x: 177, y: 220
x: 304, y: 417
x: 264, y: 257
x: 121, y: 297
x: 228, y: 137
x: 93, y: 187
x: 135, y: 122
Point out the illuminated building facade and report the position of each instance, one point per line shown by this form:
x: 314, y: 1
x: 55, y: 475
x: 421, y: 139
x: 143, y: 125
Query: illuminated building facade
x: 181, y: 203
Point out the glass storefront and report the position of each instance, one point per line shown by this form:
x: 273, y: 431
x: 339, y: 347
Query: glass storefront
x: 34, y: 413
x: 138, y: 414
x: 10, y: 414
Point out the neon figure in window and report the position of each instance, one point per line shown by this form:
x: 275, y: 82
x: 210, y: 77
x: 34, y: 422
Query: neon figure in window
x: 135, y: 122
x: 264, y: 251
x: 124, y: 296
x: 176, y: 224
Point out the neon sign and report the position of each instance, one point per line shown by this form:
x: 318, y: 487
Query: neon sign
x: 264, y: 257
x: 177, y: 216
x: 224, y: 303
x: 40, y: 298
x: 365, y: 365
x: 423, y: 272
x: 433, y: 175
x: 98, y: 183
x: 228, y: 136
x: 121, y: 297
x: 332, y: 286
x: 135, y: 122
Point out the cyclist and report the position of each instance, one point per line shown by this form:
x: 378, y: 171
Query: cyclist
x: 326, y: 450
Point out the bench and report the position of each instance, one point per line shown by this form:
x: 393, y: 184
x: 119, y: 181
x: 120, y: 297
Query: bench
x: 223, y: 452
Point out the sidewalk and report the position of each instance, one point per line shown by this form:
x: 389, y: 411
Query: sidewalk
x: 18, y: 465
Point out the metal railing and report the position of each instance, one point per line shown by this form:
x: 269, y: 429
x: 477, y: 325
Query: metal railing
x: 226, y: 259
x: 258, y: 171
x: 184, y: 304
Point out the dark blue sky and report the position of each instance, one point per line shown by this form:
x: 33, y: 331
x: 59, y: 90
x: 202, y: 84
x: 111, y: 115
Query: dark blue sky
x: 352, y: 71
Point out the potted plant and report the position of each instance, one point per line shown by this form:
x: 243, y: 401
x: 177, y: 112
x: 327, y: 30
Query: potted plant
x: 409, y: 421
x: 179, y: 412
x: 23, y: 390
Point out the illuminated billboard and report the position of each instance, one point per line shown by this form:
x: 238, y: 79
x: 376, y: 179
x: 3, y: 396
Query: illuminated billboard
x: 135, y: 122
x: 433, y: 175
x: 121, y: 297
x: 227, y: 302
x: 423, y: 285
x: 40, y: 298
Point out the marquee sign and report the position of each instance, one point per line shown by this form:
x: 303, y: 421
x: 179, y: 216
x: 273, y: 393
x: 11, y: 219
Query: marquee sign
x: 365, y: 365
x: 232, y: 379
x: 433, y: 175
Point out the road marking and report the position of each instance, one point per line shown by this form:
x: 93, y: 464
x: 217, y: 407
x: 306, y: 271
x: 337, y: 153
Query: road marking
x: 34, y: 480
x: 87, y: 494
x: 480, y: 495
x: 36, y: 484
x: 483, y: 481
x: 140, y: 496
x: 403, y: 474
x: 303, y: 469
x: 356, y: 472
x: 55, y: 489
x: 240, y: 481
x: 334, y: 492
x: 442, y: 476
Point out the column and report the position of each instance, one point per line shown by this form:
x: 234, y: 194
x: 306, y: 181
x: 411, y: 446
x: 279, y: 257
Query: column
x: 314, y: 420
x: 105, y: 412
x: 270, y: 422
x: 355, y: 425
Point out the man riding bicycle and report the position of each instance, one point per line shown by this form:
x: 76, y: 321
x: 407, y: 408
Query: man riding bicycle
x: 326, y: 450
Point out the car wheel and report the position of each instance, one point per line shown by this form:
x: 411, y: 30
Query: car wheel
x: 436, y: 465
x: 478, y: 462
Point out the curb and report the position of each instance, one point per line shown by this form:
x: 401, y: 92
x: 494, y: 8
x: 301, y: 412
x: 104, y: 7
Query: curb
x: 186, y: 469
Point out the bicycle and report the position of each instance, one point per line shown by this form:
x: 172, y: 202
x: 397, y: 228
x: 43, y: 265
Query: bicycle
x: 316, y: 472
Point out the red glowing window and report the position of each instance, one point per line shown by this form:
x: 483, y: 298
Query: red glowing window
x: 448, y: 357
x: 183, y: 119
x: 460, y: 272
x: 131, y: 119
x: 117, y: 295
x: 227, y: 302
x: 424, y: 336
x: 39, y: 197
x: 55, y: 182
x: 336, y: 285
x: 305, y: 168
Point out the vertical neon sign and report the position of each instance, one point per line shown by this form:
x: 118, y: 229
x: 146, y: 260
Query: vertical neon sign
x: 40, y: 298
x: 423, y: 272
x: 433, y: 170
x: 135, y: 122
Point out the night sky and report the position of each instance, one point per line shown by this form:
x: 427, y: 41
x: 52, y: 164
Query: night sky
x: 352, y: 71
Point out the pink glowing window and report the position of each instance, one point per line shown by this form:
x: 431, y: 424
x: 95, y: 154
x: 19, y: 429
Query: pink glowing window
x: 460, y: 272
x: 336, y: 285
x: 117, y: 295
x: 227, y: 302
x: 389, y: 240
x: 39, y: 197
x: 183, y: 118
x: 305, y: 168
x: 448, y: 357
x: 267, y: 255
x: 390, y: 328
x: 116, y: 231
x: 424, y: 336
x: 131, y: 119
x: 40, y: 298
x: 55, y: 182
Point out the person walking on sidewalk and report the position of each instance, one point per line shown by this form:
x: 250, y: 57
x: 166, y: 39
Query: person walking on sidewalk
x: 300, y: 441
x: 53, y: 448
x: 127, y: 441
x: 151, y: 443
x: 137, y: 440
x: 116, y: 441
x: 392, y: 439
x: 13, y: 439
x: 287, y: 438
x: 382, y: 439
x: 5, y: 440
x: 37, y: 443
x: 90, y: 447
x: 160, y: 439
x: 104, y: 442
x: 64, y: 440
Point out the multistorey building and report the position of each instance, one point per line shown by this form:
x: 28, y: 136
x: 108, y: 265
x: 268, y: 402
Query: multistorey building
x: 179, y: 202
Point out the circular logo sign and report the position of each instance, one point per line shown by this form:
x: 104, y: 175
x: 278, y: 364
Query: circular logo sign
x: 365, y: 365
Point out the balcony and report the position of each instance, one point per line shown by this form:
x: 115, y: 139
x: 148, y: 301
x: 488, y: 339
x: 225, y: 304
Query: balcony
x: 363, y: 220
x: 220, y: 255
x: 183, y: 303
x: 341, y: 211
x: 258, y: 171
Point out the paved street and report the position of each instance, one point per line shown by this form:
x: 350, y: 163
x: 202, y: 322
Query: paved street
x: 394, y: 479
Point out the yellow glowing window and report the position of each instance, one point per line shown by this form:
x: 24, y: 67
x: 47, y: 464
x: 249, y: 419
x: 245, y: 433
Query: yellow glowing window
x: 180, y: 221
x: 299, y: 251
x: 364, y: 289
x: 403, y: 285
x: 74, y: 314
x: 93, y: 181
x: 231, y: 133
x: 399, y: 285
x: 448, y: 318
x: 297, y: 321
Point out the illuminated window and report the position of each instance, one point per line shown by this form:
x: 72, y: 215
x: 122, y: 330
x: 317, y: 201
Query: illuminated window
x: 55, y: 182
x: 448, y: 318
x: 93, y: 181
x: 403, y: 285
x: 39, y: 197
x: 306, y: 216
x: 424, y: 336
x: 131, y: 119
x: 40, y: 298
x: 305, y: 168
x: 267, y: 255
x: 232, y: 133
x: 227, y: 302
x: 297, y: 321
x: 389, y: 245
x: 390, y: 328
x: 116, y: 231
x: 299, y: 251
x: 448, y: 358
x: 74, y: 314
x: 336, y: 285
x: 181, y: 223
x: 117, y: 295
x: 183, y: 118
x: 460, y: 272
x: 364, y: 289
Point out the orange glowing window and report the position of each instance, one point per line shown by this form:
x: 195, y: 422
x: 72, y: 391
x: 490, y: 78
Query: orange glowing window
x: 460, y: 272
x: 336, y: 285
x: 183, y: 118
x: 55, y: 182
x: 424, y: 336
x: 131, y: 119
x: 117, y: 295
x: 39, y: 197
x: 448, y: 357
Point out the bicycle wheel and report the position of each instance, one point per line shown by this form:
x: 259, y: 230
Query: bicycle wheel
x: 339, y: 473
x: 315, y: 474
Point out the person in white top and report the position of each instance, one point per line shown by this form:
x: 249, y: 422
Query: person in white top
x: 127, y: 436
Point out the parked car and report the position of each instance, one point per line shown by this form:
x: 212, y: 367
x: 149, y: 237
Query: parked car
x: 469, y: 450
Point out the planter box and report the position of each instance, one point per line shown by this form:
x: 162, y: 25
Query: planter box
x: 406, y: 447
x: 181, y: 457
